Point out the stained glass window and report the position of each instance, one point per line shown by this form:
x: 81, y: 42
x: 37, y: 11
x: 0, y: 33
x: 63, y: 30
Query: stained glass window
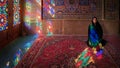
x: 3, y: 14
x: 16, y: 12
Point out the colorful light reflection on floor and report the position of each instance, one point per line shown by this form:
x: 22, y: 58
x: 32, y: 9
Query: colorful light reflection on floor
x: 20, y: 53
x: 86, y: 57
x: 15, y: 51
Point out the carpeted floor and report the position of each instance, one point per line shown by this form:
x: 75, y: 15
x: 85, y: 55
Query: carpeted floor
x: 113, y: 48
x: 60, y: 52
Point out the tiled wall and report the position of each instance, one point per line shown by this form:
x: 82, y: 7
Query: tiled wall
x: 80, y: 27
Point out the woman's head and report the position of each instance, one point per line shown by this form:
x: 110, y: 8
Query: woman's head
x: 94, y: 20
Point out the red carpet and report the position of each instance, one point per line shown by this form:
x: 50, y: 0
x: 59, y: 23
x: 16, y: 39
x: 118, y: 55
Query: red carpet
x: 113, y: 48
x: 60, y: 52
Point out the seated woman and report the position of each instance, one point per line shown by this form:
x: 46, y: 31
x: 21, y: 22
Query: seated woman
x: 95, y: 34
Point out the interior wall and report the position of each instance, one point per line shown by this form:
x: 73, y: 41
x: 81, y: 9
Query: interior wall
x: 80, y: 27
x: 70, y: 22
x: 12, y: 32
x: 66, y: 23
x: 76, y: 21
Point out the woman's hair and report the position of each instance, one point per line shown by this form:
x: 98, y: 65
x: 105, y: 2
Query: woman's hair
x: 93, y: 18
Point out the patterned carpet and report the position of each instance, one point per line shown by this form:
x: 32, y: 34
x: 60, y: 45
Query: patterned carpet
x: 60, y: 52
x: 113, y: 48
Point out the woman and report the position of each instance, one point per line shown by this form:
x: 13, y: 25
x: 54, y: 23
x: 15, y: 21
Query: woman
x: 95, y: 34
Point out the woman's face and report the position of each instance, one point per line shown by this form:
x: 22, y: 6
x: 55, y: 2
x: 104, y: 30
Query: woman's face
x: 94, y: 20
